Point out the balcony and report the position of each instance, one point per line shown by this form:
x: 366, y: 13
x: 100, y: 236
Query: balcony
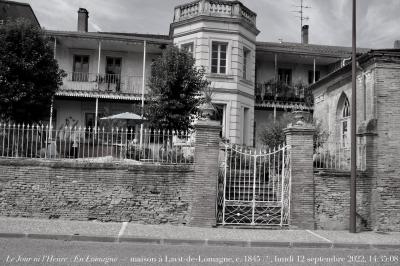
x: 280, y: 92
x: 102, y: 83
x: 231, y: 9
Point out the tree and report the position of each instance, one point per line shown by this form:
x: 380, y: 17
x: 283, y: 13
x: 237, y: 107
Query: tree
x: 29, y: 74
x: 175, y: 90
x: 273, y: 135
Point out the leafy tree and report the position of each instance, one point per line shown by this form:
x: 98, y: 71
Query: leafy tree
x: 29, y: 74
x: 273, y: 135
x: 175, y: 88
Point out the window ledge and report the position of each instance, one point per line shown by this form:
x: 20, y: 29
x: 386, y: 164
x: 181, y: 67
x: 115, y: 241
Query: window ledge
x: 219, y: 76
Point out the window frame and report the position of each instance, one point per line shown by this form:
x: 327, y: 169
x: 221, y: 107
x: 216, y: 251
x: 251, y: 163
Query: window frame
x: 184, y: 47
x: 246, y: 60
x: 81, y: 76
x: 219, y: 45
x: 345, y: 125
x: 285, y: 71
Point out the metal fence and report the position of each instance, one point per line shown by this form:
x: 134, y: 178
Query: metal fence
x: 116, y: 83
x: 147, y: 145
x: 254, y: 186
x: 335, y: 155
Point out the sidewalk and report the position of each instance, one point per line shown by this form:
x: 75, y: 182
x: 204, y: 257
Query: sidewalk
x: 168, y: 234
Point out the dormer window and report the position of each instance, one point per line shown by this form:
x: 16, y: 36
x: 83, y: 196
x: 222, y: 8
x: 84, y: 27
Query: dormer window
x: 218, y: 57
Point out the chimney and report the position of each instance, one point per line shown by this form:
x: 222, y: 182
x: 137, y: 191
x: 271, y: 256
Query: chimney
x: 304, y: 34
x: 83, y: 16
x: 397, y: 44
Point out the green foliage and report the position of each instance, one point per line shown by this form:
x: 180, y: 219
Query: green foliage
x: 29, y: 74
x: 273, y: 136
x: 175, y: 86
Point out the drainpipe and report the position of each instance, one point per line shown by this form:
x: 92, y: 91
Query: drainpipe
x: 97, y: 99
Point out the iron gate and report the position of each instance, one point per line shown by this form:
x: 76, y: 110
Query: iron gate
x: 254, y: 187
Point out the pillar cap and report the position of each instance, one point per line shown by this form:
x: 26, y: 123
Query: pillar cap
x: 301, y: 129
x: 207, y: 123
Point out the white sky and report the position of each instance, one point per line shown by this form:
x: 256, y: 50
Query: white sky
x: 330, y: 20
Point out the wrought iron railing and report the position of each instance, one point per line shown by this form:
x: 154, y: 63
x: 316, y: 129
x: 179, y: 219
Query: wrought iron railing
x: 279, y: 91
x: 254, y: 186
x: 39, y: 141
x: 79, y: 81
x: 337, y: 155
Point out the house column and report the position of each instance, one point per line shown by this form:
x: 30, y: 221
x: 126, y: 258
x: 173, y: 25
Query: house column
x: 97, y: 99
x: 52, y: 98
x: 203, y: 184
x: 300, y: 139
x: 276, y: 83
x: 143, y: 85
x: 314, y: 71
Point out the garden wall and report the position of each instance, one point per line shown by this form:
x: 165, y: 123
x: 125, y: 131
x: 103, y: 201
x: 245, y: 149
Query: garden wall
x: 72, y: 189
x: 332, y: 200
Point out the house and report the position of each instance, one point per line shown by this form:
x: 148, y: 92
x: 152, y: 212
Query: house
x: 106, y: 72
x: 378, y: 127
x: 10, y: 10
x: 254, y: 82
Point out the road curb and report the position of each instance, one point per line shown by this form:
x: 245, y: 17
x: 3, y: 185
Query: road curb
x: 200, y: 242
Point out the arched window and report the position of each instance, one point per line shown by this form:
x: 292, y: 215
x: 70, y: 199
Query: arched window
x: 344, y: 120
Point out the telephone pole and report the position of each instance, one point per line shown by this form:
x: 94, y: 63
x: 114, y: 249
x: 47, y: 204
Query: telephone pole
x: 353, y: 179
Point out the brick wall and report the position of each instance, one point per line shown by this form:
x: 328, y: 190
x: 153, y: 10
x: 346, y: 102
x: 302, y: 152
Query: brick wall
x: 332, y: 200
x: 300, y: 138
x: 149, y: 194
x: 387, y: 171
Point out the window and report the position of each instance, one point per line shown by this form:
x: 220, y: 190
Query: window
x: 285, y: 75
x: 246, y: 60
x: 1, y: 22
x: 311, y: 76
x: 218, y: 57
x: 81, y: 68
x: 188, y: 47
x: 113, y: 69
x: 345, y: 124
x: 219, y: 115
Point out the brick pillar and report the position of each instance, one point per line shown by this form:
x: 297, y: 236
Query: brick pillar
x: 204, y: 186
x: 300, y: 138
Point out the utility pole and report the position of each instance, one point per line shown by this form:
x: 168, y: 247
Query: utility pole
x: 353, y: 179
x: 301, y: 12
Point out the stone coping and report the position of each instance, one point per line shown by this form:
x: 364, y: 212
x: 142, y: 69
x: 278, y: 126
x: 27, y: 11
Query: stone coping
x: 87, y: 164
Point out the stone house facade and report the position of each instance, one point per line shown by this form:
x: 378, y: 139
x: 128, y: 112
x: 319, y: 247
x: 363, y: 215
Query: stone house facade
x: 255, y: 83
x: 378, y: 127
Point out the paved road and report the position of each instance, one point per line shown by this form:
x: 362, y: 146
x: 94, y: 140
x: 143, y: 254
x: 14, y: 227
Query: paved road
x: 55, y: 252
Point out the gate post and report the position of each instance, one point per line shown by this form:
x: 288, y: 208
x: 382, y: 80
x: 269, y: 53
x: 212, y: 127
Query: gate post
x: 204, y: 184
x: 300, y: 138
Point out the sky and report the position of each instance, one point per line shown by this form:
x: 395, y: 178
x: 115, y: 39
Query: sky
x: 378, y: 21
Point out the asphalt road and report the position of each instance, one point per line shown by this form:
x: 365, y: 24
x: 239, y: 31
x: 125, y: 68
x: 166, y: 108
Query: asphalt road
x: 56, y: 252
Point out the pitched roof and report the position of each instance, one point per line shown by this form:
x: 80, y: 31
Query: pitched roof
x: 14, y: 10
x: 158, y: 39
x: 140, y: 35
x: 308, y: 49
x: 389, y: 55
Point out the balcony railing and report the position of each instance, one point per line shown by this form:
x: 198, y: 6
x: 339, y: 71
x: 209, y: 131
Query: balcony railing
x: 282, y: 92
x: 93, y: 82
x: 214, y: 8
